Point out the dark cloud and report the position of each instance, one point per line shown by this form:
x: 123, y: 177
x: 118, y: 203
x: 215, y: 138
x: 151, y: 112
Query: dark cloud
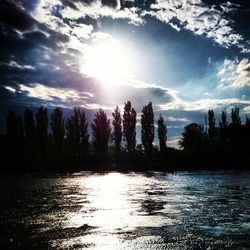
x: 8, y: 69
x: 143, y: 4
x: 71, y: 3
x: 28, y: 5
x: 109, y: 3
x: 13, y: 15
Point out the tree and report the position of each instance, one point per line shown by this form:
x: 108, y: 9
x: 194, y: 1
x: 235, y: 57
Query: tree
x: 42, y: 131
x: 29, y: 131
x: 192, y: 138
x: 84, y: 134
x: 77, y: 133
x: 147, y: 128
x: 235, y: 115
x: 223, y: 122
x: 58, y: 131
x: 101, y: 132
x: 235, y: 125
x: 247, y: 133
x: 162, y: 134
x: 14, y: 135
x: 223, y: 125
x: 211, y: 123
x: 129, y: 126
x: 117, y: 124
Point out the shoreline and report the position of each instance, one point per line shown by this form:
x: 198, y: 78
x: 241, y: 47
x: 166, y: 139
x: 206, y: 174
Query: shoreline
x: 30, y: 167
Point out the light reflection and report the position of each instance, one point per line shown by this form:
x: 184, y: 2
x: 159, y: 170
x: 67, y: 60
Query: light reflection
x: 132, y: 211
x: 112, y: 204
x: 107, y: 204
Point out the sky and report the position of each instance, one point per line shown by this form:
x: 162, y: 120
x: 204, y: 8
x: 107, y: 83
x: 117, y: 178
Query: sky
x: 186, y: 56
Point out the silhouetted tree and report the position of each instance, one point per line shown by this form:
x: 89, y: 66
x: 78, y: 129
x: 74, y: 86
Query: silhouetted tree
x: 77, y: 133
x: 247, y: 134
x: 42, y: 131
x: 235, y: 116
x: 129, y: 126
x: 84, y: 134
x: 162, y: 134
x: 147, y: 128
x: 101, y: 132
x: 29, y: 132
x: 211, y: 123
x: 247, y: 124
x: 223, y: 122
x: 14, y: 134
x: 224, y: 126
x: 235, y: 125
x: 117, y: 124
x: 192, y: 138
x: 58, y: 131
x: 205, y: 129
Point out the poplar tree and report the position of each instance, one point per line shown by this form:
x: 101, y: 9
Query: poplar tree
x: 147, y: 129
x: 129, y: 127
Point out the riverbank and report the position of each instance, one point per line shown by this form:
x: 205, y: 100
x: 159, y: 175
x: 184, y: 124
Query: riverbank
x: 109, y: 165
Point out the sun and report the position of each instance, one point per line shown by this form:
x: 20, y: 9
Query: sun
x: 109, y: 62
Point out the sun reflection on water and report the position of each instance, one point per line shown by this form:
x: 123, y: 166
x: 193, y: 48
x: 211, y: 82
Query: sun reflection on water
x: 107, y: 205
x: 131, y: 211
x: 112, y: 207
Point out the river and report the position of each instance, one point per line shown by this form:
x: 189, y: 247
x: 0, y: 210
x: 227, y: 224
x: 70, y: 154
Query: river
x: 149, y: 210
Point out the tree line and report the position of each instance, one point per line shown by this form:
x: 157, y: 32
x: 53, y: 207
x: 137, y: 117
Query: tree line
x: 227, y: 141
x: 41, y: 137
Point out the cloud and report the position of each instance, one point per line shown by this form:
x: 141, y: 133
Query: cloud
x: 12, y: 15
x: 82, y: 31
x: 204, y: 104
x: 65, y: 97
x: 97, y: 10
x: 57, y: 16
x: 10, y: 89
x: 201, y: 19
x: 134, y: 92
x: 246, y: 109
x: 14, y: 67
x: 177, y: 119
x: 234, y: 73
x: 96, y: 106
x: 174, y: 142
x: 229, y: 7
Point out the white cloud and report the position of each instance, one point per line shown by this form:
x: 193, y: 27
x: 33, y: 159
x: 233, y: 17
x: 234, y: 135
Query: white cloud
x: 81, y: 31
x: 174, y: 26
x: 100, y: 36
x: 174, y: 142
x: 97, y: 106
x: 246, y: 109
x: 97, y: 10
x: 193, y: 15
x: 43, y: 14
x: 176, y: 119
x: 199, y: 18
x: 15, y: 64
x: 63, y: 97
x: 10, y: 89
x: 229, y: 7
x: 203, y: 104
x: 234, y: 73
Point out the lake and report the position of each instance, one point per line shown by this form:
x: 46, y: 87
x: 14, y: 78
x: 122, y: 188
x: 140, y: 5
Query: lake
x: 149, y: 210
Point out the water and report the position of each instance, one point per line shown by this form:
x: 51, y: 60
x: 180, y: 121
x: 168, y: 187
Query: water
x: 125, y: 211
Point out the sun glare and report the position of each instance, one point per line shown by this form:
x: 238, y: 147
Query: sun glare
x: 108, y: 62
